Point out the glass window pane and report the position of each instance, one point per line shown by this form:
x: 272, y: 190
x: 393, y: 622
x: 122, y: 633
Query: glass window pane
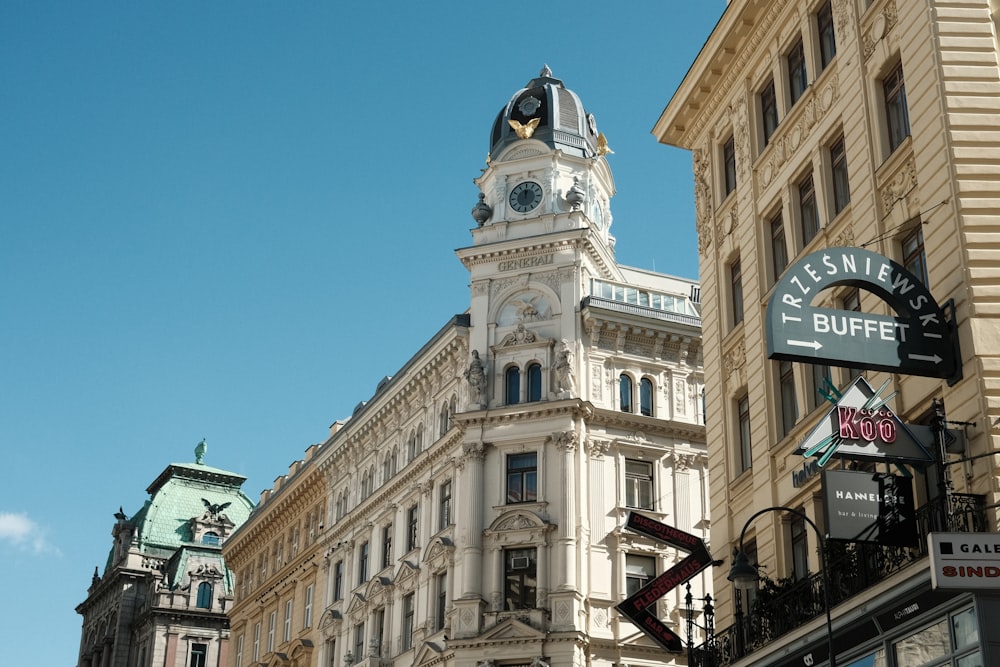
x: 965, y: 628
x: 971, y: 660
x: 924, y: 645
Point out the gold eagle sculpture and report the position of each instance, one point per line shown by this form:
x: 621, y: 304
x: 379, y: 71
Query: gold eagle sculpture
x: 602, y: 145
x: 527, y: 129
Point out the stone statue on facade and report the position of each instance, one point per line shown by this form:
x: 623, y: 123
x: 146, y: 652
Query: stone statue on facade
x: 476, y: 375
x: 565, y: 380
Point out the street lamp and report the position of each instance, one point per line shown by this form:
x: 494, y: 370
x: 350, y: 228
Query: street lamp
x: 744, y: 575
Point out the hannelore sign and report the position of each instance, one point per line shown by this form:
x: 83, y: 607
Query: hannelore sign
x: 918, y: 340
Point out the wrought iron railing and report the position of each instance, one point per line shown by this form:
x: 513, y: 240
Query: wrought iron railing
x: 780, y: 607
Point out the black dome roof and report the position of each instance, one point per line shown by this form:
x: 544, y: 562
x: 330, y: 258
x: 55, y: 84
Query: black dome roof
x: 562, y: 121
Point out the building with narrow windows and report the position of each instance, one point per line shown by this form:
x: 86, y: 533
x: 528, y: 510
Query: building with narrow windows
x: 165, y: 590
x: 474, y: 504
x: 829, y: 126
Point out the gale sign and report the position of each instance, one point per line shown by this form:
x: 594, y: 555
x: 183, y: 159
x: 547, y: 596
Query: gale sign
x: 919, y: 340
x: 964, y: 561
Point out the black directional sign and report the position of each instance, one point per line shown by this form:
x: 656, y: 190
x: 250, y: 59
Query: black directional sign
x: 917, y: 339
x: 636, y: 606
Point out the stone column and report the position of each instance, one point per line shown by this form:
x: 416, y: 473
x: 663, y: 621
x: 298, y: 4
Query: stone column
x: 564, y: 574
x: 472, y: 518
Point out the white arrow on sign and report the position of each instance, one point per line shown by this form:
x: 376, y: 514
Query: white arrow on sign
x: 923, y: 357
x: 814, y: 344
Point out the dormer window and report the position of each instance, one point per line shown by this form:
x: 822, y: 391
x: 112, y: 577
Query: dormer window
x: 210, y: 539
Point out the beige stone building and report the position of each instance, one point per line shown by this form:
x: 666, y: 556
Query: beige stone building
x: 477, y: 499
x: 851, y: 123
x: 277, y: 559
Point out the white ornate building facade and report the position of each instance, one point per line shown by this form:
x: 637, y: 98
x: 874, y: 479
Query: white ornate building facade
x: 477, y: 501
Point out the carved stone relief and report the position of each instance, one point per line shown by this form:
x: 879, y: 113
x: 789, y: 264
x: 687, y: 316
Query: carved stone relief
x: 702, y: 199
x: 878, y: 27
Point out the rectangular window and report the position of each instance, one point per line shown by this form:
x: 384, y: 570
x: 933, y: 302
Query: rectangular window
x: 412, y: 518
x: 331, y: 653
x: 444, y: 507
x: 841, y: 188
x: 768, y: 111
x: 407, y: 629
x: 639, y: 571
x: 800, y: 548
x: 743, y: 416
x: 729, y: 162
x: 639, y: 484
x: 379, y: 629
x: 307, y: 613
x: 914, y: 259
x: 520, y: 581
x: 271, y: 623
x: 797, y: 77
x: 286, y: 634
x: 239, y: 653
x: 256, y: 641
x: 779, y: 251
x: 820, y: 378
x: 736, y: 283
x: 522, y: 478
x: 359, y: 642
x: 338, y: 581
x: 199, y: 655
x: 897, y: 116
x: 441, y: 588
x: 789, y: 408
x: 363, y: 563
x: 386, y: 545
x: 808, y: 212
x: 827, y: 38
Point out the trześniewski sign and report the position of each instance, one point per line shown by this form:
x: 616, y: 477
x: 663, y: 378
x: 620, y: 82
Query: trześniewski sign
x: 918, y: 340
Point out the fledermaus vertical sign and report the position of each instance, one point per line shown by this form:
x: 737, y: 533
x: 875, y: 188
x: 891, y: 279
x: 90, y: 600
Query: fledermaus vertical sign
x: 919, y: 340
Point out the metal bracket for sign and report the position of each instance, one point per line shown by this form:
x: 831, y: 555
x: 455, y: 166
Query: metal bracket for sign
x: 636, y: 606
x: 949, y: 311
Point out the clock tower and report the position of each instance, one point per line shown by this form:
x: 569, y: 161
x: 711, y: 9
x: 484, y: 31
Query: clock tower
x: 542, y: 232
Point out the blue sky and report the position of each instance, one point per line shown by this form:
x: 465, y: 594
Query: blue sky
x: 230, y: 220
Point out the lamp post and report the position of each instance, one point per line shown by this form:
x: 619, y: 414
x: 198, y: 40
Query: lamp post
x: 744, y: 575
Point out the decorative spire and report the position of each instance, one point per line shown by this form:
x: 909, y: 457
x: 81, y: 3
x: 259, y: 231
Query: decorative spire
x: 199, y: 452
x: 546, y: 72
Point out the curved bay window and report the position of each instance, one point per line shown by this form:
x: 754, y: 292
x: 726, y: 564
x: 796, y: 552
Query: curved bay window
x: 625, y: 393
x: 512, y: 385
x: 646, y: 397
x: 534, y: 382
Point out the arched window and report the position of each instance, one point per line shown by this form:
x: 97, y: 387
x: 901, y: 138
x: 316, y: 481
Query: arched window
x: 387, y: 467
x: 411, y: 447
x: 443, y: 427
x: 204, y: 595
x: 646, y: 397
x: 420, y: 438
x: 534, y: 382
x: 625, y: 393
x: 210, y: 538
x: 512, y: 385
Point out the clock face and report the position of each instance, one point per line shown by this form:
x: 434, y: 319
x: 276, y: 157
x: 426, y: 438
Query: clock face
x: 525, y: 196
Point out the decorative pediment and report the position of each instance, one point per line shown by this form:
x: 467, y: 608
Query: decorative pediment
x: 330, y: 624
x: 512, y: 630
x: 517, y: 526
x: 376, y: 588
x: 521, y: 336
x: 440, y: 552
x: 406, y: 576
x: 428, y: 654
x: 301, y: 651
x: 358, y: 607
x: 276, y: 660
